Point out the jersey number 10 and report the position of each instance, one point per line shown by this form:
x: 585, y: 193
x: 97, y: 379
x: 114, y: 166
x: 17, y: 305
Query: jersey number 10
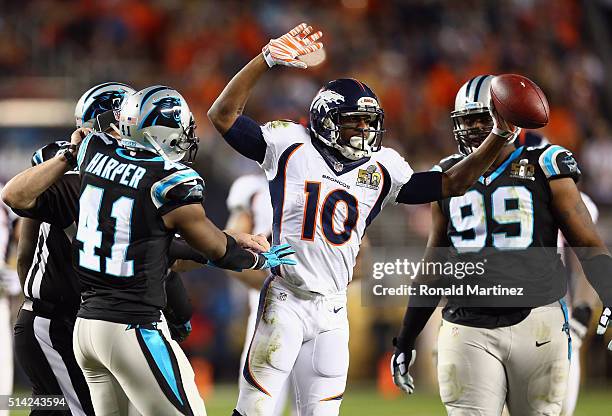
x: 328, y: 211
x: 91, y: 237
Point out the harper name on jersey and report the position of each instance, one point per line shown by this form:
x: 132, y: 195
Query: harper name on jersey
x: 121, y: 245
x: 109, y: 168
x: 323, y: 208
x: 506, y: 218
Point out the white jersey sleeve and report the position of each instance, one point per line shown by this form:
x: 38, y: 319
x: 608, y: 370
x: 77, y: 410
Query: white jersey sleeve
x: 279, y: 135
x: 399, y: 172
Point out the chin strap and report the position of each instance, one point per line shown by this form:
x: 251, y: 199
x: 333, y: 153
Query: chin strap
x: 115, y: 128
x: 157, y: 147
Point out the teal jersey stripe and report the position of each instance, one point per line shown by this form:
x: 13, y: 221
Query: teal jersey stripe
x: 161, y: 188
x: 83, y: 149
x: 38, y: 157
x: 501, y: 168
x: 566, y: 327
x: 160, y: 354
x: 547, y: 158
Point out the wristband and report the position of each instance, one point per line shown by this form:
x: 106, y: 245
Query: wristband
x: 502, y: 133
x: 68, y: 156
x: 267, y: 56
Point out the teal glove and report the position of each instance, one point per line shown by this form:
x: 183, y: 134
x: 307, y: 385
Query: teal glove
x: 275, y: 257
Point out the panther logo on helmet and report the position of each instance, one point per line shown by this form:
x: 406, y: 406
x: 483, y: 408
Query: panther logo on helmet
x: 166, y: 112
x: 101, y: 99
x: 106, y: 101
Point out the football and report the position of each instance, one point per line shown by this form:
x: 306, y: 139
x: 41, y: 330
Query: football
x: 520, y: 101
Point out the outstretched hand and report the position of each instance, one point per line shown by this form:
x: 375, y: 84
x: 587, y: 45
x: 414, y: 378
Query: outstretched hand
x: 297, y: 42
x: 257, y: 243
x: 277, y: 256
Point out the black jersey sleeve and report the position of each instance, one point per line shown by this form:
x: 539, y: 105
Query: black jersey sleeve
x: 558, y: 162
x: 58, y: 205
x: 181, y: 187
x: 48, y: 151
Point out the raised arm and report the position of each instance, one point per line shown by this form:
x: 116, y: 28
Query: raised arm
x: 282, y: 51
x: 22, y: 191
x: 239, y: 131
x: 432, y: 186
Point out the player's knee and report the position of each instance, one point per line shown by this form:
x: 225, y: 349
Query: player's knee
x: 547, y: 386
x: 330, y: 354
x: 278, y: 350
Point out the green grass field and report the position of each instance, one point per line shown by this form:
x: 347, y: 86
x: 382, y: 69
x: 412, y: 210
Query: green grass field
x: 365, y: 401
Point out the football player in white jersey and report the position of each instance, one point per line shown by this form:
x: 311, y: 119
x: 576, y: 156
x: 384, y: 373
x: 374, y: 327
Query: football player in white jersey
x: 327, y: 183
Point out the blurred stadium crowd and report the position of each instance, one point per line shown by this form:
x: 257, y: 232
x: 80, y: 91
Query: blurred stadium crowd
x: 414, y: 54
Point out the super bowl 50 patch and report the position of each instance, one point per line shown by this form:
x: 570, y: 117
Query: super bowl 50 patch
x: 368, y: 177
x: 522, y: 170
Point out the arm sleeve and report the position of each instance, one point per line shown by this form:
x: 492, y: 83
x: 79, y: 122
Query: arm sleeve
x: 246, y: 138
x: 48, y: 151
x: 58, y: 205
x: 558, y: 162
x: 178, y: 307
x: 182, y: 187
x: 415, y: 320
x: 423, y: 187
x: 236, y: 258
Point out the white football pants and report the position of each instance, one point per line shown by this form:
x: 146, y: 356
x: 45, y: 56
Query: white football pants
x: 525, y: 366
x: 133, y: 365
x: 302, y: 334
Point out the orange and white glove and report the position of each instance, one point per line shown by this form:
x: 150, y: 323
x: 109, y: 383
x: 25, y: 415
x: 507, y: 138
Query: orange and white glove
x: 297, y: 42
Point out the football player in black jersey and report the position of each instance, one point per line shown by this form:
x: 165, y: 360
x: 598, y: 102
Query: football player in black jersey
x: 490, y: 355
x: 43, y: 331
x: 133, y: 197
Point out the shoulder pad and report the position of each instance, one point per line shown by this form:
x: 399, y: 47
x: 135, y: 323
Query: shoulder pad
x: 557, y: 162
x: 182, y: 186
x: 448, y: 162
x: 48, y: 151
x: 280, y: 124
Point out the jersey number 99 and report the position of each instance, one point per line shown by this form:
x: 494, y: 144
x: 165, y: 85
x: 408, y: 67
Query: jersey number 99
x: 467, y: 212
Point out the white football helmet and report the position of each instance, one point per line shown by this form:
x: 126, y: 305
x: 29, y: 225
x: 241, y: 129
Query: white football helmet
x: 158, y: 119
x: 100, y: 99
x: 471, y: 103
